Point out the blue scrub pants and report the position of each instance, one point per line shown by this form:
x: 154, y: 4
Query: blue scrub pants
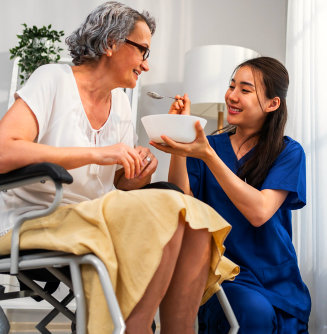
x: 253, y: 311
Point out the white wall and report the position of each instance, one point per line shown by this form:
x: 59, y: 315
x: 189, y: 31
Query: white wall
x: 182, y: 25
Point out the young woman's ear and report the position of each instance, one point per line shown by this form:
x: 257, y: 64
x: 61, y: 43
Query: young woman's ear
x: 273, y: 104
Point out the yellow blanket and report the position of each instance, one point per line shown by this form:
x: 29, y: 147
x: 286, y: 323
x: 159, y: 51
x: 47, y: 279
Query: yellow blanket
x: 127, y: 231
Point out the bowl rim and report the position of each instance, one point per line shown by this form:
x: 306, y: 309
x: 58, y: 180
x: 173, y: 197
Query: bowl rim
x: 174, y: 115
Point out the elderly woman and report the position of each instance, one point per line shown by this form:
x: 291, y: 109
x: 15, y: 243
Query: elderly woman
x: 77, y: 117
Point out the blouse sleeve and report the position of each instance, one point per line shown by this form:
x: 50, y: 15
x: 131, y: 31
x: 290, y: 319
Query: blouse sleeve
x: 38, y: 93
x: 288, y: 173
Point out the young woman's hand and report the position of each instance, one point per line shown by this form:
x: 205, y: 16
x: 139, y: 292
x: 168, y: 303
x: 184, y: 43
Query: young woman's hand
x: 199, y: 148
x: 181, y: 105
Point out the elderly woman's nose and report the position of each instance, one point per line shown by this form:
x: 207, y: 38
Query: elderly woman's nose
x: 145, y: 65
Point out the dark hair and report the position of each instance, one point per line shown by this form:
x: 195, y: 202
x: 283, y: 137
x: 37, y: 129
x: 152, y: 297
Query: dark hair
x: 270, y: 143
x: 108, y: 24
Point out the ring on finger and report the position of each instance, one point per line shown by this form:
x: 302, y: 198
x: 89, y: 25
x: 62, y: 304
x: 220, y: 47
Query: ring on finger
x: 148, y: 159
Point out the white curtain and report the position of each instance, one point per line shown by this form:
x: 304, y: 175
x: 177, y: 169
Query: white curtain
x: 306, y: 60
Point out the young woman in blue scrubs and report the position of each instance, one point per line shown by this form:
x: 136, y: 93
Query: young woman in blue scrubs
x: 253, y: 176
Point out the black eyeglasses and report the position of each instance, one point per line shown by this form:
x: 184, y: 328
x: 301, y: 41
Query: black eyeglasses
x: 144, y: 50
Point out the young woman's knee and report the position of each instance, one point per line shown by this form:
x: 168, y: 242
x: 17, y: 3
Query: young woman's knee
x: 251, y: 308
x: 253, y: 311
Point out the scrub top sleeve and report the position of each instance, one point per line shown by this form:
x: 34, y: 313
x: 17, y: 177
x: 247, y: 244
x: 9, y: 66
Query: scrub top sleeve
x: 288, y: 173
x: 195, y: 174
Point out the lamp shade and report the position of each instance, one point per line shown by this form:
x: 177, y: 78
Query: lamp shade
x: 207, y: 73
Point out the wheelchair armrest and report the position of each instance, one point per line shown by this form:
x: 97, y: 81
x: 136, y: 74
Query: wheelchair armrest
x: 27, y: 175
x: 34, y: 173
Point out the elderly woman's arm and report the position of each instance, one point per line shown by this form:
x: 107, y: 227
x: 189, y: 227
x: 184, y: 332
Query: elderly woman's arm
x: 149, y: 166
x: 19, y: 130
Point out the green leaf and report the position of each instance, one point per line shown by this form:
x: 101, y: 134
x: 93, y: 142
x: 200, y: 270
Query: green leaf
x: 36, y: 46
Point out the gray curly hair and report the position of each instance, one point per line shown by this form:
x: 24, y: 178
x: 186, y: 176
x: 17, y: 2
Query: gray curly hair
x: 108, y: 24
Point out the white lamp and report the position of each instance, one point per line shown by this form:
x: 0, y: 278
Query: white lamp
x: 207, y: 73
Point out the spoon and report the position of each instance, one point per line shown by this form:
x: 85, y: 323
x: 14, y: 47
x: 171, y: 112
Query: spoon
x: 155, y: 95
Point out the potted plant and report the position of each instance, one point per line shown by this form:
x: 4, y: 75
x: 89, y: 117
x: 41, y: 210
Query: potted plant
x: 37, y: 46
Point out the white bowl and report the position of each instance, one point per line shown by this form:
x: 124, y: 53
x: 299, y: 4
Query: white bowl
x: 180, y: 128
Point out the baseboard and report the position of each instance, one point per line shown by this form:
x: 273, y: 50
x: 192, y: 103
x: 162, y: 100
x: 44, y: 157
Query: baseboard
x: 29, y: 327
x: 24, y: 321
x: 30, y: 304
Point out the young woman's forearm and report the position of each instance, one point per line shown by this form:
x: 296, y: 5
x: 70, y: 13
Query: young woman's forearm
x: 178, y: 173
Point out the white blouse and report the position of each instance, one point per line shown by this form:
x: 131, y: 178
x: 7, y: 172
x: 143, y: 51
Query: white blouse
x: 52, y: 94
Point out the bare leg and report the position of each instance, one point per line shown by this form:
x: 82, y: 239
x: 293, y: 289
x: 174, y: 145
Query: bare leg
x: 140, y: 319
x: 179, y: 307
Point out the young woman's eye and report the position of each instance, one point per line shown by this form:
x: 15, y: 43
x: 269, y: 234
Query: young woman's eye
x: 245, y: 91
x: 231, y: 87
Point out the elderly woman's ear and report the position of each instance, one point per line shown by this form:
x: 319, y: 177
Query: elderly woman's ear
x: 111, y: 49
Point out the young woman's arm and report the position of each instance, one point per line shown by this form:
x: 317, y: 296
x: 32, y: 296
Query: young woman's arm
x: 257, y: 206
x: 178, y: 173
x: 19, y: 129
x: 177, y: 168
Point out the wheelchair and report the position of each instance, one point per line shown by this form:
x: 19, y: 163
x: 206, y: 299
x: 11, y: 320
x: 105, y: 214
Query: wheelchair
x: 33, y: 266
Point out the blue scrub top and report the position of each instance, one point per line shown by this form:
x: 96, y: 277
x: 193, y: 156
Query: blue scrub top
x: 265, y: 254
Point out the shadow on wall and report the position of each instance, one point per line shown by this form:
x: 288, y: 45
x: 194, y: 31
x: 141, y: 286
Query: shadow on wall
x: 5, y: 79
x: 149, y: 106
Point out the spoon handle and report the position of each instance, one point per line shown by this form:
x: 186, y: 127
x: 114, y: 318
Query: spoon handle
x: 158, y: 96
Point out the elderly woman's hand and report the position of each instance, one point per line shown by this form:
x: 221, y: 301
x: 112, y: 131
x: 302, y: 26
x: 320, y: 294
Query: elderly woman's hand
x: 181, y: 105
x: 138, y: 180
x: 120, y: 154
x: 149, y: 162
